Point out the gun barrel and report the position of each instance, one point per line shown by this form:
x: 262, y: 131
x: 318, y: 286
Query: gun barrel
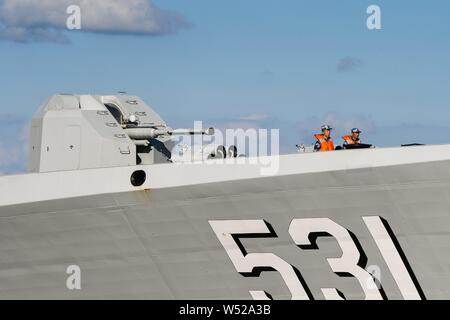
x: 181, y: 132
x: 152, y: 133
x: 144, y: 133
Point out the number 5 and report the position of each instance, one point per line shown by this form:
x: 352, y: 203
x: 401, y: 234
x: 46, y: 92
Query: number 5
x: 251, y: 264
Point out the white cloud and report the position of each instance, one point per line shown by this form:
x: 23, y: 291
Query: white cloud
x: 45, y: 20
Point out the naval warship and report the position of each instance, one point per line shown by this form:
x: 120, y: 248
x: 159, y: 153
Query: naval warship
x: 107, y: 212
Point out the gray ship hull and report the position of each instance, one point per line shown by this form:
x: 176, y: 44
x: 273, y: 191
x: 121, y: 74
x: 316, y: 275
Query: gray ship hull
x: 160, y: 243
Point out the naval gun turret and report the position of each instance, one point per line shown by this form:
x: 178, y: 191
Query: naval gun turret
x: 71, y: 132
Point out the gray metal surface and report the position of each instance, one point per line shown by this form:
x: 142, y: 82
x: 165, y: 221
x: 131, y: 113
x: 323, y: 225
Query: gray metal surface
x: 72, y: 132
x: 158, y: 244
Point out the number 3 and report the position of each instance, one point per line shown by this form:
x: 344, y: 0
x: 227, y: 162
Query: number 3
x: 304, y: 232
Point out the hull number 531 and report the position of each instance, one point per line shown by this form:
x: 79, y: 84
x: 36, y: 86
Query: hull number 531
x: 304, y: 233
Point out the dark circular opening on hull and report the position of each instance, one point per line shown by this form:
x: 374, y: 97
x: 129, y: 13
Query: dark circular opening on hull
x: 138, y: 178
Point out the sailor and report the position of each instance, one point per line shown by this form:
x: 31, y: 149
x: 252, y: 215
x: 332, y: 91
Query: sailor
x: 353, y: 138
x: 324, y: 141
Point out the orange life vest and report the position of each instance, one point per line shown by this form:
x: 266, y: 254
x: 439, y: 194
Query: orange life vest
x: 325, y: 145
x: 349, y: 140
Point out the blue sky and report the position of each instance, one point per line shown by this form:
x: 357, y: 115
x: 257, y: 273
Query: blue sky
x: 276, y: 62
